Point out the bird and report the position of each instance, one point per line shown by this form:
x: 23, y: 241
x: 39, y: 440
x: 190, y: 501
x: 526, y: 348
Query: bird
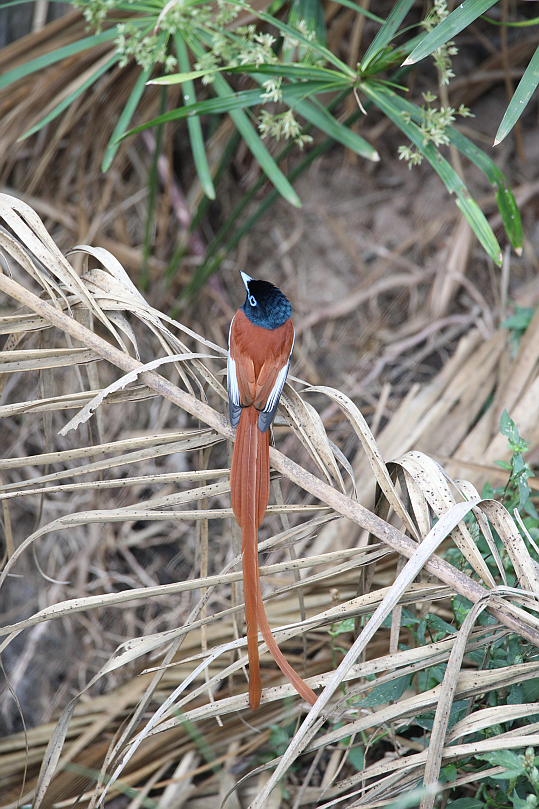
x: 261, y: 340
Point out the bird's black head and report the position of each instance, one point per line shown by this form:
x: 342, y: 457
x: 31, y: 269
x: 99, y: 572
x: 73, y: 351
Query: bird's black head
x: 265, y: 305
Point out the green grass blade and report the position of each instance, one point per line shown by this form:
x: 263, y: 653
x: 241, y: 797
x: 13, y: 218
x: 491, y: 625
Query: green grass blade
x: 297, y: 72
x: 257, y: 148
x: 360, y: 10
x: 309, y: 15
x: 72, y: 96
x: 504, y: 197
x: 523, y: 93
x: 387, y: 31
x: 194, y: 125
x: 227, y: 103
x: 55, y: 56
x: 153, y: 185
x: 287, y: 30
x: 292, y: 94
x: 312, y: 13
x: 179, y: 78
x: 251, y: 138
x: 461, y: 17
x: 124, y: 119
x: 318, y: 115
x: 212, y: 106
x: 385, y: 101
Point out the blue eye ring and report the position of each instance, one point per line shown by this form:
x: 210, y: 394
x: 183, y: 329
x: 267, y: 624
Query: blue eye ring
x: 252, y: 300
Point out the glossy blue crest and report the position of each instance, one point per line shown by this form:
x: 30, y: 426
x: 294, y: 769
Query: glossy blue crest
x: 265, y: 305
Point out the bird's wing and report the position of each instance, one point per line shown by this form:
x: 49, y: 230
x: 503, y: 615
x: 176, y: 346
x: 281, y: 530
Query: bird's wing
x: 241, y: 377
x: 268, y: 391
x: 234, y: 406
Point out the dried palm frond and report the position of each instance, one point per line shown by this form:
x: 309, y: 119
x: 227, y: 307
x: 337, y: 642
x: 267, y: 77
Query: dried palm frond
x: 169, y: 721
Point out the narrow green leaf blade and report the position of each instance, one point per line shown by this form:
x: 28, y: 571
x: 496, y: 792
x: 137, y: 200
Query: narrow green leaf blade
x: 55, y: 56
x: 194, y: 126
x: 388, y: 102
x: 298, y: 72
x: 179, y: 78
x: 251, y: 138
x: 504, y: 197
x: 360, y: 10
x: 526, y: 87
x: 224, y: 104
x: 480, y: 226
x: 461, y: 17
x: 212, y: 106
x: 287, y: 30
x: 124, y: 119
x: 72, y: 96
x: 257, y: 148
x: 317, y: 115
x: 295, y: 72
x: 387, y: 31
x: 312, y: 13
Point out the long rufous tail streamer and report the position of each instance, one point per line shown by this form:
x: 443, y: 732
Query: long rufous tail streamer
x: 250, y: 485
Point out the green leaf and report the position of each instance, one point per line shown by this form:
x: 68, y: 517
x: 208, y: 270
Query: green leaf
x: 450, y: 772
x: 347, y: 625
x: 287, y: 70
x: 458, y: 710
x: 298, y: 72
x: 518, y: 803
x: 520, y: 320
x: 387, y: 31
x: 103, y: 67
x: 55, y: 56
x: 387, y: 692
x: 194, y: 125
x: 212, y: 106
x: 526, y: 87
x: 461, y: 17
x: 356, y: 757
x: 434, y: 622
x: 179, y: 78
x: 287, y: 30
x: 225, y: 104
x: 251, y: 138
x: 504, y: 758
x: 360, y: 10
x: 311, y: 13
x: 318, y: 115
x: 530, y: 691
x: 504, y: 197
x: 515, y: 695
x: 388, y: 102
x: 124, y: 119
x: 508, y: 427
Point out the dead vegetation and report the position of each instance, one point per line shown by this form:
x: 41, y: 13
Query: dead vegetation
x: 121, y: 592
